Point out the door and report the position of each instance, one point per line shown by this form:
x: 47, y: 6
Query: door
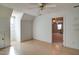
x: 2, y: 40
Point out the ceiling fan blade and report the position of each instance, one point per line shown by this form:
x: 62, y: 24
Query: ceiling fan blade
x: 50, y: 6
x: 76, y: 6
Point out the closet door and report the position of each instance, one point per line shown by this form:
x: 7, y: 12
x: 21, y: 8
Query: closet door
x: 2, y: 44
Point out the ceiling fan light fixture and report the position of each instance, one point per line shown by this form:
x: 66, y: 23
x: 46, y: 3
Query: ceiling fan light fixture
x: 42, y: 5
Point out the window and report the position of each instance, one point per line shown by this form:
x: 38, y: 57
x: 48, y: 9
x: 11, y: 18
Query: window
x: 59, y: 26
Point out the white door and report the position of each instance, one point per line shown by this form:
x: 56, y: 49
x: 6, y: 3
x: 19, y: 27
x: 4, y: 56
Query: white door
x: 1, y: 41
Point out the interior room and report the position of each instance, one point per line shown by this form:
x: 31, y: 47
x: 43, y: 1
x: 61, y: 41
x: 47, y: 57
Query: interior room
x: 39, y: 28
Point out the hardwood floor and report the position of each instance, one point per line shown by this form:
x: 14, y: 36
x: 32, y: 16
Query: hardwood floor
x: 35, y: 47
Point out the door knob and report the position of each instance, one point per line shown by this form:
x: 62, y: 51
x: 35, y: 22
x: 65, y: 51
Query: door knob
x: 2, y: 38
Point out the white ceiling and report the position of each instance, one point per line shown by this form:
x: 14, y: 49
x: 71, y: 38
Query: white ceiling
x: 33, y: 8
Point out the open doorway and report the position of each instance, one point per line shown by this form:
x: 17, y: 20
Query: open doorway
x: 12, y: 30
x: 57, y: 30
x: 15, y: 27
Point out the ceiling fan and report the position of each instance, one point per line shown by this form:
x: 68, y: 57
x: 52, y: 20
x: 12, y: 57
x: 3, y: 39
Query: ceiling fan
x: 43, y: 6
x: 76, y: 6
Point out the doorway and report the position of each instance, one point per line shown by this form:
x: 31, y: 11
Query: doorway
x: 12, y: 30
x: 57, y: 30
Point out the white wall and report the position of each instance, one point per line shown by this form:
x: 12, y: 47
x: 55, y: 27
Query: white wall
x: 5, y: 14
x: 26, y: 30
x: 42, y: 27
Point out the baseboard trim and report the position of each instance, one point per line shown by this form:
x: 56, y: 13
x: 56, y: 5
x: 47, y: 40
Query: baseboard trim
x: 26, y: 40
x: 43, y: 41
x: 5, y: 47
